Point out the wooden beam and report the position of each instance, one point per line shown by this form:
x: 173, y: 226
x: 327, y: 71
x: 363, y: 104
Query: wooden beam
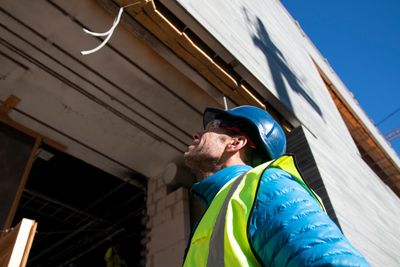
x: 11, y: 103
x: 21, y: 186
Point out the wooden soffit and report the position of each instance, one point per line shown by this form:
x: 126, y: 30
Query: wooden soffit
x: 147, y: 14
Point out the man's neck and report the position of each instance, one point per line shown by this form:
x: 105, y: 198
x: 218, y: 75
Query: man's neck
x: 201, y: 174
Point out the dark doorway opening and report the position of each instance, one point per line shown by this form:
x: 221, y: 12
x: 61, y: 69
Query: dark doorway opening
x: 81, y: 212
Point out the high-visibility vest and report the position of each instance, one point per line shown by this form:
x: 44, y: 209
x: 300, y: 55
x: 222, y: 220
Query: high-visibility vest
x: 221, y: 237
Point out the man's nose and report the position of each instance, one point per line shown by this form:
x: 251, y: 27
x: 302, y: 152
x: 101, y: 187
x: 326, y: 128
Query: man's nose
x: 197, y: 135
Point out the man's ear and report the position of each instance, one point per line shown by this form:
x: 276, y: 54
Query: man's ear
x: 236, y: 143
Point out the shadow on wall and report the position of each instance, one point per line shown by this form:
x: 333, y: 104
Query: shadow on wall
x: 278, y: 65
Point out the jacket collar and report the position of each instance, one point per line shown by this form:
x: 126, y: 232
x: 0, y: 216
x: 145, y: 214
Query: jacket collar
x: 206, y: 189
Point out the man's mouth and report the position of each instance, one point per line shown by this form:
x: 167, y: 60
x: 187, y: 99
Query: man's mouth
x: 189, y: 149
x: 191, y: 146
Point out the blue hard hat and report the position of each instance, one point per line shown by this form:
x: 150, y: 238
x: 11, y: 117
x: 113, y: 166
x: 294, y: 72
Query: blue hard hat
x: 258, y: 124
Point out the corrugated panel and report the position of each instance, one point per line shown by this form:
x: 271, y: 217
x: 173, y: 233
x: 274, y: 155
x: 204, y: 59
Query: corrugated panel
x: 298, y: 145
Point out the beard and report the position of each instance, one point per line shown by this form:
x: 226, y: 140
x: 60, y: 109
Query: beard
x: 200, y: 160
x: 204, y: 155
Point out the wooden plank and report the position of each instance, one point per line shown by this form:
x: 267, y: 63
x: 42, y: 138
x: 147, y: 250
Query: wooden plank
x: 209, y: 62
x: 250, y: 97
x: 28, y: 245
x: 16, y: 244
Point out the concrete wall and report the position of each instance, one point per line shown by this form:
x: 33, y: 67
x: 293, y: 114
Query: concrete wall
x: 266, y: 41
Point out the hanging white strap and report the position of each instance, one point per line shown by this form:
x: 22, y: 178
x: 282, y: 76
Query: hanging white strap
x: 107, y: 33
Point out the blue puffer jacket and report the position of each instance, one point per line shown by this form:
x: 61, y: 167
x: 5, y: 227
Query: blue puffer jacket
x: 287, y: 226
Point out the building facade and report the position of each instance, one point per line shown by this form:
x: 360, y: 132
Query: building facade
x: 117, y: 122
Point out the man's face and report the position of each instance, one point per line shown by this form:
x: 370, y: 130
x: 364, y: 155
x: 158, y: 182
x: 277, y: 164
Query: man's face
x: 207, y: 147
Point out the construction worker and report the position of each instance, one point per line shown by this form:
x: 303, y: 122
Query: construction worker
x: 263, y: 215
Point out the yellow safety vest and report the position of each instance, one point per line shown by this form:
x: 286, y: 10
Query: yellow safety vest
x: 220, y: 238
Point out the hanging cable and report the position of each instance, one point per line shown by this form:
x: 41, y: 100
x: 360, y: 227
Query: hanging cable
x: 388, y: 116
x: 107, y: 33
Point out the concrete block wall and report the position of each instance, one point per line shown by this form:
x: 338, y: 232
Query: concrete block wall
x: 168, y: 224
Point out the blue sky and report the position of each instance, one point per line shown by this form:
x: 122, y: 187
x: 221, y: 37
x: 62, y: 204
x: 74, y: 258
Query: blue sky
x: 361, y: 40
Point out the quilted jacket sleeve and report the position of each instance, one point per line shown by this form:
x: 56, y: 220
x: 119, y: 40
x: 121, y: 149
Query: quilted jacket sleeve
x: 288, y: 228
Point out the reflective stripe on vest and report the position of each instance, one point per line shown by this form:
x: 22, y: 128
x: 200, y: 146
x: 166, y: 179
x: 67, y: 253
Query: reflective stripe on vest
x: 221, y: 237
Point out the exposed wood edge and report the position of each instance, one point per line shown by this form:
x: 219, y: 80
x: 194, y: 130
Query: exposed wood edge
x: 17, y: 243
x: 250, y: 97
x: 354, y: 114
x: 223, y: 75
x: 365, y: 131
x: 147, y: 15
x: 388, y: 165
x: 29, y: 244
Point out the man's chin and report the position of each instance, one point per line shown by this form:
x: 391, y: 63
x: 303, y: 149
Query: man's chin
x: 189, y: 159
x: 186, y: 157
